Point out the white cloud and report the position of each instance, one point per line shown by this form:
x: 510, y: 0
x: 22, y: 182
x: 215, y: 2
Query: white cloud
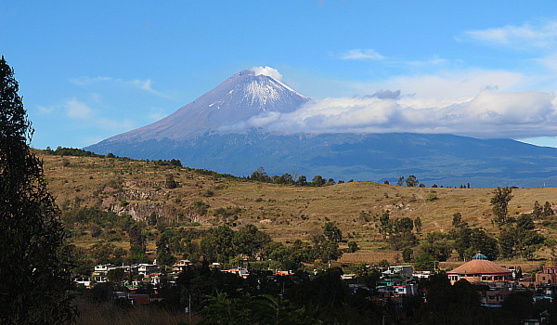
x: 362, y: 54
x: 78, y: 110
x: 267, y: 71
x: 489, y: 114
x: 435, y: 60
x: 145, y: 85
x: 549, y: 62
x: 448, y: 86
x: 543, y: 35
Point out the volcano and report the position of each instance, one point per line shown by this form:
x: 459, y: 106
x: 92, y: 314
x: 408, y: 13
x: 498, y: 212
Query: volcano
x: 244, y: 95
x: 211, y: 133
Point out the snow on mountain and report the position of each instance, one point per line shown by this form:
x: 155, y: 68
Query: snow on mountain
x: 211, y: 132
x: 246, y: 94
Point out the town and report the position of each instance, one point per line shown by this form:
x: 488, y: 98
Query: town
x: 395, y: 285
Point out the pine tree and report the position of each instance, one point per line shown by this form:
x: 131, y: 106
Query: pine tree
x: 33, y: 255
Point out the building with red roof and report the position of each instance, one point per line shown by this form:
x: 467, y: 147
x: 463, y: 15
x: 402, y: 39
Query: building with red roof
x: 480, y: 269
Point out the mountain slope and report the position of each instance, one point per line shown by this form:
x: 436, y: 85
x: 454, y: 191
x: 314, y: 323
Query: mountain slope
x: 435, y: 159
x: 244, y: 95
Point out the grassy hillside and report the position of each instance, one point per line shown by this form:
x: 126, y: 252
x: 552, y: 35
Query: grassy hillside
x: 285, y: 212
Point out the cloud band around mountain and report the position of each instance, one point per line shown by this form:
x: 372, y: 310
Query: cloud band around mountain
x: 490, y: 114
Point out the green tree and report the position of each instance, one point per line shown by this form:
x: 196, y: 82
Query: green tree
x: 217, y: 245
x: 34, y: 264
x: 249, y: 241
x: 332, y: 232
x: 353, y: 246
x: 537, y: 211
x: 500, y: 204
x: 164, y: 255
x: 412, y: 181
x: 301, y: 181
x: 547, y: 210
x: 260, y: 175
x: 468, y: 241
x: 325, y: 249
x: 318, y: 181
x: 520, y: 239
x: 457, y: 221
x: 437, y: 246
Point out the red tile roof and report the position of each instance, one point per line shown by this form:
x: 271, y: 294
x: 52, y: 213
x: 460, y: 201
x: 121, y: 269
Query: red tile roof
x: 480, y: 267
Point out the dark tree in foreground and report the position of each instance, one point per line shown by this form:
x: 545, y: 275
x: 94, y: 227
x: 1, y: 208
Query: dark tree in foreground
x: 33, y: 261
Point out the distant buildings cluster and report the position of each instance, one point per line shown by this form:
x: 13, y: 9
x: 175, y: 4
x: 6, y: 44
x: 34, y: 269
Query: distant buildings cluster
x: 394, y: 283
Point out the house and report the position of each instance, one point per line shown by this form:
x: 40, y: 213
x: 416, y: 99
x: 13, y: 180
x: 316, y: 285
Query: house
x: 401, y: 270
x: 548, y: 275
x: 480, y: 270
x: 494, y: 298
x: 405, y: 290
x: 350, y: 276
x: 244, y: 273
x: 421, y: 275
x: 85, y: 281
x: 147, y: 269
x: 181, y: 266
x: 100, y: 271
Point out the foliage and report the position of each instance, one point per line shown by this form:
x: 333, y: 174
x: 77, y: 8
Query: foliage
x: 520, y: 238
x: 436, y: 245
x: 457, y: 221
x: 452, y: 304
x: 332, y: 232
x: 261, y: 309
x: 397, y: 232
x: 353, y: 246
x: 261, y: 175
x: 412, y: 181
x: 105, y: 219
x: 424, y: 262
x: 470, y: 241
x: 249, y: 241
x: 217, y: 245
x: 325, y: 249
x: 34, y: 264
x: 407, y: 255
x: 500, y: 204
x: 63, y: 151
x: 228, y: 214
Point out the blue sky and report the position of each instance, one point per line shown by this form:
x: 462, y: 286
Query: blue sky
x: 89, y: 70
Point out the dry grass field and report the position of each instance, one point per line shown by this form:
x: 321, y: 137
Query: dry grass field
x: 285, y: 212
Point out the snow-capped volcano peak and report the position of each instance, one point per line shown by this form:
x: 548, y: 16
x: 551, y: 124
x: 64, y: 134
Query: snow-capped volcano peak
x: 246, y: 94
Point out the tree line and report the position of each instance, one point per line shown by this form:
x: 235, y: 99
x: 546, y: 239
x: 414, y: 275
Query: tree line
x: 517, y: 237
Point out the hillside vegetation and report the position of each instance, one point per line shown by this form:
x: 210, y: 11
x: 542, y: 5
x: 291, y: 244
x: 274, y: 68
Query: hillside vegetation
x: 166, y: 193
